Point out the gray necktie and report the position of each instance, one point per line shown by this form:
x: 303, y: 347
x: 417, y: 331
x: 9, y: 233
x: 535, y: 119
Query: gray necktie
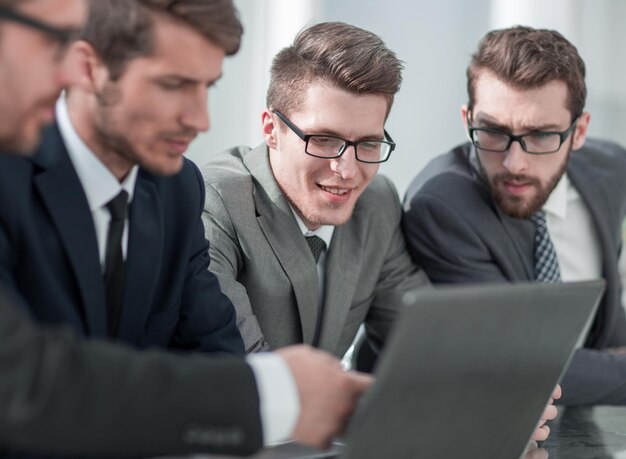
x: 317, y: 245
x: 546, y: 262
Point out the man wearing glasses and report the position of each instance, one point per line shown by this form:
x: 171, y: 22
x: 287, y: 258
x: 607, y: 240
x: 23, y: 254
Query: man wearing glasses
x: 305, y: 237
x: 25, y: 111
x: 91, y: 398
x: 529, y: 198
x: 114, y: 239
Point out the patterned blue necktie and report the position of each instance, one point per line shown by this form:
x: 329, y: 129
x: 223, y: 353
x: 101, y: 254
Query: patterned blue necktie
x: 546, y: 261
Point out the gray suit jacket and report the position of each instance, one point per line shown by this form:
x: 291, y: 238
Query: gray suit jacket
x: 264, y: 264
x: 456, y: 233
x: 63, y: 396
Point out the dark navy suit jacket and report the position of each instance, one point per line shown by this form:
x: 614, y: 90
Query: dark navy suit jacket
x: 49, y: 255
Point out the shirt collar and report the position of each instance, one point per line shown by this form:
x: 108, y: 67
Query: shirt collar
x: 325, y: 232
x: 557, y: 201
x: 99, y: 183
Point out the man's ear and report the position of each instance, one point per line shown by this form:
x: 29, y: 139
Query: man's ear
x: 269, y: 128
x: 464, y: 111
x: 580, y: 131
x: 92, y: 71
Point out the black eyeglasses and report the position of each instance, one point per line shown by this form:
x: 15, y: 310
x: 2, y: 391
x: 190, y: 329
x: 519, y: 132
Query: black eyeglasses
x: 61, y: 35
x: 535, y: 142
x: 329, y: 147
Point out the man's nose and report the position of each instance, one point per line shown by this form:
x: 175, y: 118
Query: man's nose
x: 347, y: 166
x: 515, y: 158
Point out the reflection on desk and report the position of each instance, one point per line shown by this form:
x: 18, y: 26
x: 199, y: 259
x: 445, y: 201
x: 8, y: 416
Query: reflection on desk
x: 586, y: 433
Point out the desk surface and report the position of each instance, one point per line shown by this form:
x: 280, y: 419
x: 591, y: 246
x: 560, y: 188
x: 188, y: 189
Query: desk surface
x: 581, y: 433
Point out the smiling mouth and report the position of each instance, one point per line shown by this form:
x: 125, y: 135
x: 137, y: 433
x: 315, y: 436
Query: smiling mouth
x: 335, y: 191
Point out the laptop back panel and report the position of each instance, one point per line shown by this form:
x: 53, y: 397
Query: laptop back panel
x: 468, y: 370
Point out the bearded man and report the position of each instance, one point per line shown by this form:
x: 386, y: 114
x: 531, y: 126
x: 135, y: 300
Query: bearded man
x: 529, y: 198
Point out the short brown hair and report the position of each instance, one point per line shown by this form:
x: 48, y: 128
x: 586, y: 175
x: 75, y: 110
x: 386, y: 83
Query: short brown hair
x: 528, y: 58
x: 343, y: 55
x: 121, y: 30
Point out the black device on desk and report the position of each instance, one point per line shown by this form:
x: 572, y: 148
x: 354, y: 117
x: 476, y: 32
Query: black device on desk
x: 468, y: 370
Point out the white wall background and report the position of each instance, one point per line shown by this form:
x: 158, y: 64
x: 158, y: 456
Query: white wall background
x: 435, y: 40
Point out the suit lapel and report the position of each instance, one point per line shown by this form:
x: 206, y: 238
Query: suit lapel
x: 521, y: 234
x: 62, y: 193
x: 283, y: 235
x: 343, y: 265
x: 144, y: 257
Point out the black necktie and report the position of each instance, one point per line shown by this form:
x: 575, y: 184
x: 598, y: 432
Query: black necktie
x: 317, y: 245
x: 546, y: 261
x: 114, y: 265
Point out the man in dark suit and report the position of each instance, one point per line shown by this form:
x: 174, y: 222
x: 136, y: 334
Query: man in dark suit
x: 122, y: 131
x: 528, y: 199
x: 61, y: 395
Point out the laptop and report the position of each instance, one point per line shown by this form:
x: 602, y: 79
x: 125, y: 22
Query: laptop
x: 468, y: 371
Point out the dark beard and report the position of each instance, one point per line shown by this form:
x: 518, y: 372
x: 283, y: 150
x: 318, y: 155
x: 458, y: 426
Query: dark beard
x: 514, y: 206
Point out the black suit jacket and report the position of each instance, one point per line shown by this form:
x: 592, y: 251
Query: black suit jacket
x: 456, y: 232
x: 63, y: 396
x: 49, y: 255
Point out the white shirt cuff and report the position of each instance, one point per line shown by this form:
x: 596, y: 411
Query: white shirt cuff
x: 280, y: 403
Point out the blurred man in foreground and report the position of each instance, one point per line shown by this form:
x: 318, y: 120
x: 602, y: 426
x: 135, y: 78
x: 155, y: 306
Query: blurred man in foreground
x: 60, y: 395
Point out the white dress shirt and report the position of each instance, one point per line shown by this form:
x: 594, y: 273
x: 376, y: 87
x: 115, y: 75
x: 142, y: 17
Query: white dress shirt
x: 573, y: 233
x: 280, y: 402
x: 99, y: 184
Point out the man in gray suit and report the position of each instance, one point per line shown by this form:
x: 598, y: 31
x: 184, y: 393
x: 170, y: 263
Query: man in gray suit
x: 60, y: 395
x: 305, y: 237
x: 479, y: 213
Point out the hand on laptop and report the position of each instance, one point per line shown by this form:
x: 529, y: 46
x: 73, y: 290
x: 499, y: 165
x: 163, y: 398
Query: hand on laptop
x: 550, y: 412
x: 328, y: 394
